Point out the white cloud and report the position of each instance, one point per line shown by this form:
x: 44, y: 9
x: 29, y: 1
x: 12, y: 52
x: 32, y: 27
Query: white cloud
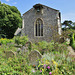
x: 7, y: 0
x: 68, y: 16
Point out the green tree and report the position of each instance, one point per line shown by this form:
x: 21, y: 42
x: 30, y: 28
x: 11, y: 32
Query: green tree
x: 10, y: 20
x: 73, y: 26
x: 67, y: 24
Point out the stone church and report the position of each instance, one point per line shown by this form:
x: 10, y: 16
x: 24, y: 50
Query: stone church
x: 41, y: 23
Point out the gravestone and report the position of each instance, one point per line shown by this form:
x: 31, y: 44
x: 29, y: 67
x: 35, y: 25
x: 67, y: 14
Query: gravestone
x: 34, y: 57
x: 9, y: 54
x: 29, y: 45
x: 24, y: 49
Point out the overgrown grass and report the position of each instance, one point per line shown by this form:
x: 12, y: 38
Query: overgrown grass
x: 55, y: 60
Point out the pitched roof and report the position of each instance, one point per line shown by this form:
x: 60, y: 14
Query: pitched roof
x: 44, y: 5
x: 41, y: 6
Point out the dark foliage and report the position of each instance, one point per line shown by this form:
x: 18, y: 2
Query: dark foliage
x: 10, y: 20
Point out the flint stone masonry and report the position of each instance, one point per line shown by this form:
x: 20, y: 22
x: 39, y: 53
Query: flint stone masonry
x: 34, y: 57
x: 50, y: 17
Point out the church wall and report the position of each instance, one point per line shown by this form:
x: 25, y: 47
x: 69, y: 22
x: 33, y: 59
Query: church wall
x: 50, y: 22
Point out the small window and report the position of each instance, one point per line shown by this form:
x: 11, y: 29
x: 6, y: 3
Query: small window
x: 38, y: 9
x: 39, y: 27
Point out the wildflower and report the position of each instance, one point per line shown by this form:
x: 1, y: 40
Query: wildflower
x: 50, y: 73
x: 55, y: 63
x: 33, y: 71
x: 44, y: 66
x: 48, y: 67
x: 40, y: 70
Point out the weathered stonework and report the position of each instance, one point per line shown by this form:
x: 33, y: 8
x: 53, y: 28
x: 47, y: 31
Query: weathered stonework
x: 34, y: 57
x: 51, y: 23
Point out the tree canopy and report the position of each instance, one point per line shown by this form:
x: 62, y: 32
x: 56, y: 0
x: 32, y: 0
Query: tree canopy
x: 10, y: 20
x: 68, y: 28
x: 68, y: 25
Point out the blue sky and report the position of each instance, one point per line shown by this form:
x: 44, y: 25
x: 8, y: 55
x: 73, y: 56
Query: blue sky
x: 66, y: 7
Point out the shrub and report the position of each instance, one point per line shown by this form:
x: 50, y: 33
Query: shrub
x: 50, y: 46
x: 55, y: 61
x: 21, y: 40
x: 43, y: 44
x: 72, y: 42
x: 5, y: 41
x: 45, y: 47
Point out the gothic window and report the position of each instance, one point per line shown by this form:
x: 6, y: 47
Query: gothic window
x: 39, y: 27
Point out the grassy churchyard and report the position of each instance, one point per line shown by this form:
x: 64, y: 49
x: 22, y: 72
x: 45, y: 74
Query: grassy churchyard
x: 18, y: 56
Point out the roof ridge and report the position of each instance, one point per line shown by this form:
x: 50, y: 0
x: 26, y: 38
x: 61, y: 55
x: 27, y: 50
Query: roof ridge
x: 42, y: 5
x: 46, y: 6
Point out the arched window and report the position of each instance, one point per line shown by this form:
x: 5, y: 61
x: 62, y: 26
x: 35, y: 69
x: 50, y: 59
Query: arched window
x: 39, y: 27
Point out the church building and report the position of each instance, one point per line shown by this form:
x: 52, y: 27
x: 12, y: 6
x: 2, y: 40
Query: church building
x: 41, y: 23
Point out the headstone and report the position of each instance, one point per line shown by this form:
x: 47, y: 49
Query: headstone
x: 24, y: 49
x: 28, y: 44
x: 9, y: 54
x: 34, y: 57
